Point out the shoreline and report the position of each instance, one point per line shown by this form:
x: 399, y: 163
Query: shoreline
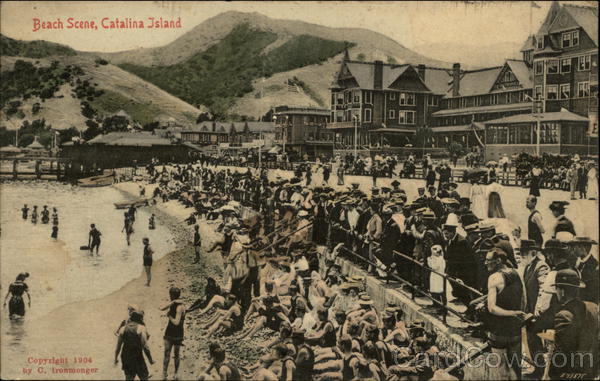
x: 68, y: 329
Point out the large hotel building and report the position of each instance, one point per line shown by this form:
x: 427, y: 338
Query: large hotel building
x: 545, y: 102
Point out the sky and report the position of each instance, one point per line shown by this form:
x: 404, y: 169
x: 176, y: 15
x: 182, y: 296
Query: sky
x: 413, y: 24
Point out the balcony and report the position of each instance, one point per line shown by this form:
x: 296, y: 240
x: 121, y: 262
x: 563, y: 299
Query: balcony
x: 337, y: 125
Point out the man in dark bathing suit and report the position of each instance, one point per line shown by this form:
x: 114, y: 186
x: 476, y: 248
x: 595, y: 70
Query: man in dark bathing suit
x: 94, y: 239
x: 16, y: 305
x: 174, y: 332
x: 133, y: 338
x: 25, y: 211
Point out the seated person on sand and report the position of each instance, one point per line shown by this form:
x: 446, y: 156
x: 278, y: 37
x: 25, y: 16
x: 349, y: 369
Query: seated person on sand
x: 270, y: 315
x: 284, y: 337
x: 367, y: 315
x: 272, y: 365
x: 227, y: 320
x: 257, y: 302
x: 319, y: 293
x: 323, y: 334
x: 211, y: 289
x: 383, y: 354
x: 344, y: 368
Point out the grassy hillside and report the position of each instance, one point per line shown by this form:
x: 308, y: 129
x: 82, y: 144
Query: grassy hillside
x: 225, y: 71
x: 33, y: 49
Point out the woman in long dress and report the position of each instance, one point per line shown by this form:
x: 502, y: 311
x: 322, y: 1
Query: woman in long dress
x: 479, y: 205
x: 592, y: 185
x: 494, y: 191
x: 534, y: 181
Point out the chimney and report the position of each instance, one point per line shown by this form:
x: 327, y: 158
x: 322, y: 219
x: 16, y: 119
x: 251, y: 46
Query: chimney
x: 378, y: 77
x: 455, y: 79
x: 421, y: 71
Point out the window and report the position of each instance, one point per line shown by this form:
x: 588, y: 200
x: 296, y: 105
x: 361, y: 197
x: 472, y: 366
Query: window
x: 432, y: 100
x: 393, y: 96
x: 392, y: 114
x: 463, y: 102
x: 565, y: 65
x: 551, y: 92
x: 583, y: 89
x: 575, y: 38
x: 540, y: 42
x: 406, y: 117
x: 494, y: 99
x: 538, y: 92
x: 552, y: 67
x: 477, y: 101
x: 356, y: 96
x: 402, y: 98
x: 566, y: 39
x: 367, y: 115
x: 584, y: 63
x: 565, y: 91
x: 539, y: 67
x: 549, y: 133
x: 368, y: 97
x: 410, y: 99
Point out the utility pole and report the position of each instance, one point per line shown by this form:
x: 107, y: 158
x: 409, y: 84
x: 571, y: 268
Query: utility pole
x: 355, y: 118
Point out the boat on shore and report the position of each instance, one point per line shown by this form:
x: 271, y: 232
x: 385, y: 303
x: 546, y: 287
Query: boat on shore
x: 128, y: 204
x: 96, y: 181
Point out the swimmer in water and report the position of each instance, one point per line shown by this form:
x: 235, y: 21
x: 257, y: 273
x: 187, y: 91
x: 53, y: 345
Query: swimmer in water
x: 45, y: 215
x: 34, y: 215
x: 54, y: 217
x: 151, y: 224
x: 25, y: 211
x: 94, y: 239
x: 54, y: 232
x: 147, y: 260
x: 127, y: 227
x: 16, y: 305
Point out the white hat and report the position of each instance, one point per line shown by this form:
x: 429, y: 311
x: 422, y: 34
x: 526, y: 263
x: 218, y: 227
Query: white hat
x: 302, y: 213
x: 564, y: 236
x: 452, y: 220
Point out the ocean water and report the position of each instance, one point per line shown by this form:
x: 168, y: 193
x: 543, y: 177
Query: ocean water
x: 61, y: 273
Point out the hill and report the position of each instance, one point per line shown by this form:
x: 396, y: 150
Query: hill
x: 495, y: 55
x: 241, y: 63
x: 78, y: 91
x: 32, y: 49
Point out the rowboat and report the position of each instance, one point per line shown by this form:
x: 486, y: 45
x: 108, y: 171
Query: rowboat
x: 96, y: 181
x: 128, y: 204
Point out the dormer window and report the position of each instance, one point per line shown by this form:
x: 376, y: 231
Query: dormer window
x: 570, y: 39
x: 540, y: 42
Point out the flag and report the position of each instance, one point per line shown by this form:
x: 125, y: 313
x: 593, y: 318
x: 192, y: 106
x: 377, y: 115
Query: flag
x: 534, y: 5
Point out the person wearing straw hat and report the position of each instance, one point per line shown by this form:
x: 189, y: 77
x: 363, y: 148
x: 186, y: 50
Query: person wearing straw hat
x: 575, y: 331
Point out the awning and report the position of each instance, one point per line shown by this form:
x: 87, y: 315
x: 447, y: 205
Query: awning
x: 560, y: 116
x: 394, y: 130
x: 464, y: 127
x: 484, y: 109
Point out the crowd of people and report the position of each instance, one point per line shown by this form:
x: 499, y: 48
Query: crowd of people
x: 282, y: 274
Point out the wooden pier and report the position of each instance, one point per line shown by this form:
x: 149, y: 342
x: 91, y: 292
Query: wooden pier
x: 47, y: 168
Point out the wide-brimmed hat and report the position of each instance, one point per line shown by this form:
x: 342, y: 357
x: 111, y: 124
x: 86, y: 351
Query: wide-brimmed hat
x: 528, y: 244
x: 558, y: 205
x: 582, y: 241
x: 302, y: 213
x: 486, y: 227
x: 395, y: 183
x: 365, y: 300
x: 568, y: 278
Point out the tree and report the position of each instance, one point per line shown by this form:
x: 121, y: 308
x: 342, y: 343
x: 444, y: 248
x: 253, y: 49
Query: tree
x: 422, y: 137
x: 456, y: 149
x: 391, y: 60
x: 361, y: 57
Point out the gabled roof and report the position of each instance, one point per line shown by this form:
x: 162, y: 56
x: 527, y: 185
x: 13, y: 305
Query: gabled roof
x: 558, y: 116
x: 522, y: 71
x: 364, y: 74
x: 144, y: 139
x: 477, y: 82
x: 550, y: 17
x: 529, y: 44
x: 438, y: 80
x: 226, y: 127
x: 586, y: 17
